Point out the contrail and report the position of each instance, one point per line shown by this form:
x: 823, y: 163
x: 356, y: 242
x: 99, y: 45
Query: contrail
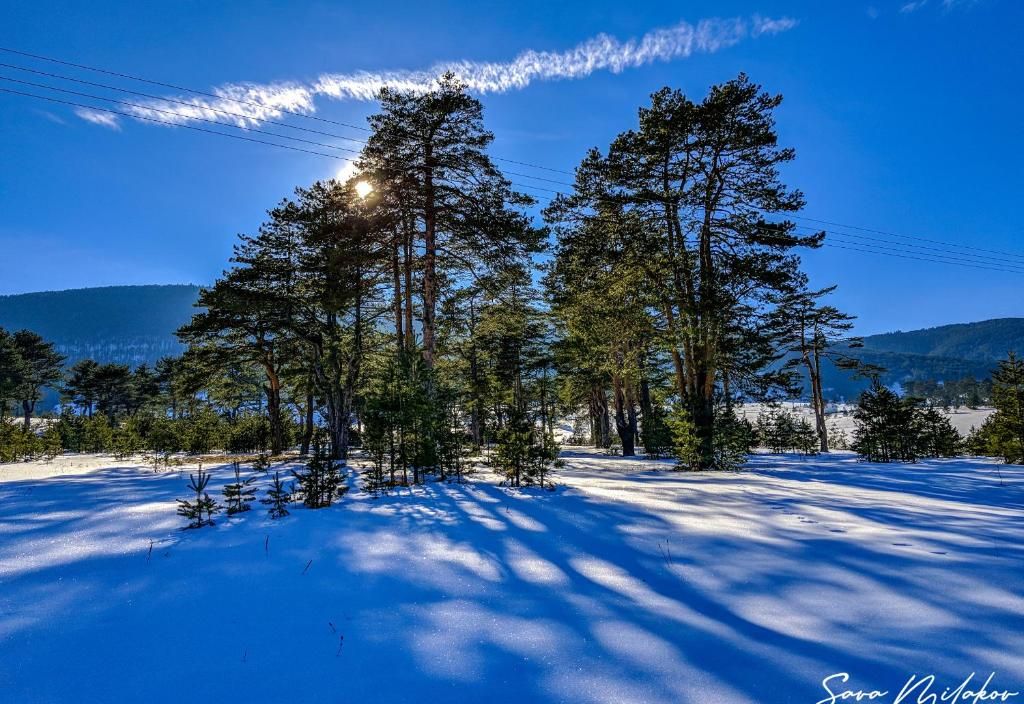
x: 251, y: 103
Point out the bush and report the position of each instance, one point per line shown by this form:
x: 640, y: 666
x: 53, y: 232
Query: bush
x: 320, y: 482
x: 97, y: 435
x: 733, y: 439
x: 890, y: 428
x: 203, y: 432
x: 16, y: 444
x: 524, y: 454
x: 249, y: 433
x: 127, y: 440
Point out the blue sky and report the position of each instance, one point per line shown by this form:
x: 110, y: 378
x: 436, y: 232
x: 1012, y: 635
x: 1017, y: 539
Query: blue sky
x: 905, y: 117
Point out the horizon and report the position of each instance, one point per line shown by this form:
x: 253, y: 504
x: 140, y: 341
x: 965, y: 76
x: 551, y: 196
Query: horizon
x: 196, y: 285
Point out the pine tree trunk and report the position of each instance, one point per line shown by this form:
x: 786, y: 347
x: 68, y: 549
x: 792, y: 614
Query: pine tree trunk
x: 599, y: 410
x: 429, y: 259
x: 409, y: 340
x: 307, y: 431
x: 819, y: 402
x: 273, y: 392
x: 396, y: 274
x: 27, y: 408
x: 625, y: 430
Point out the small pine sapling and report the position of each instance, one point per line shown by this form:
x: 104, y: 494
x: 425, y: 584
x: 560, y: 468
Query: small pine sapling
x: 239, y: 494
x: 262, y: 462
x: 199, y: 512
x: 320, y: 482
x: 278, y: 497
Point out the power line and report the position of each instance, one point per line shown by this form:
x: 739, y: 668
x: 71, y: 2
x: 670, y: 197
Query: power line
x: 173, y: 124
x: 170, y: 100
x: 848, y: 234
x: 910, y: 237
x: 170, y: 112
x: 210, y: 121
x: 172, y: 86
x: 194, y: 91
x: 913, y: 247
x: 940, y: 258
x: 905, y: 256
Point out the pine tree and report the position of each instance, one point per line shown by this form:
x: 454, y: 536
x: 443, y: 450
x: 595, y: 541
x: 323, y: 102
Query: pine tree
x: 261, y: 463
x: 681, y: 202
x: 813, y: 333
x: 320, y: 482
x: 523, y: 455
x: 277, y: 498
x: 239, y: 494
x: 200, y: 511
x: 890, y: 428
x: 41, y: 366
x: 1005, y: 428
x: 936, y: 435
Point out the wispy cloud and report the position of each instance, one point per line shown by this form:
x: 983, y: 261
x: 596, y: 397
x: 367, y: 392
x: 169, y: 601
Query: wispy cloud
x: 914, y: 5
x: 56, y: 119
x: 98, y: 118
x: 600, y: 53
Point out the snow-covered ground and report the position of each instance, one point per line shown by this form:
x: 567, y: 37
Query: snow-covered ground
x: 841, y: 415
x: 630, y: 583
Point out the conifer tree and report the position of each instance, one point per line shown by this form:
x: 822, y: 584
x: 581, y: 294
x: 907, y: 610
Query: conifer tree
x: 937, y: 436
x: 428, y: 150
x: 40, y: 366
x: 239, y: 494
x: 11, y: 372
x: 890, y: 428
x: 320, y: 482
x: 1004, y: 430
x: 277, y: 498
x: 698, y: 180
x: 814, y: 333
x: 200, y: 511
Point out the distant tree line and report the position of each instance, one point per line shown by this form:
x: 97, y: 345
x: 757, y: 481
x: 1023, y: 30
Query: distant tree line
x: 405, y: 311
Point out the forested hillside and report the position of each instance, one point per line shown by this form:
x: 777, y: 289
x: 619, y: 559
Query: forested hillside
x: 941, y: 353
x: 982, y: 341
x: 123, y: 324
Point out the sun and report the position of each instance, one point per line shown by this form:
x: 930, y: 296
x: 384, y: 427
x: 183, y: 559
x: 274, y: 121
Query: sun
x: 364, y: 188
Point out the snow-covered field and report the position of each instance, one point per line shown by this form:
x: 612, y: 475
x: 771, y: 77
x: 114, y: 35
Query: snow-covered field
x: 629, y: 584
x: 841, y: 416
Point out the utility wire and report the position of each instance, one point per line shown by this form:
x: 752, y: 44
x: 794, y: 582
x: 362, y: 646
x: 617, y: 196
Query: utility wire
x: 172, y: 86
x: 173, y: 124
x: 186, y: 103
x: 194, y: 91
x: 942, y: 256
x: 170, y: 112
x: 118, y: 74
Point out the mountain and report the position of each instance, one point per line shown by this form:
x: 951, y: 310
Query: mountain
x: 940, y: 353
x: 135, y: 324
x: 124, y: 324
x: 981, y: 342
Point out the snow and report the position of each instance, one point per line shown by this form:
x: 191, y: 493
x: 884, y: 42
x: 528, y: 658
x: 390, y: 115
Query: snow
x: 841, y: 415
x: 630, y: 583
